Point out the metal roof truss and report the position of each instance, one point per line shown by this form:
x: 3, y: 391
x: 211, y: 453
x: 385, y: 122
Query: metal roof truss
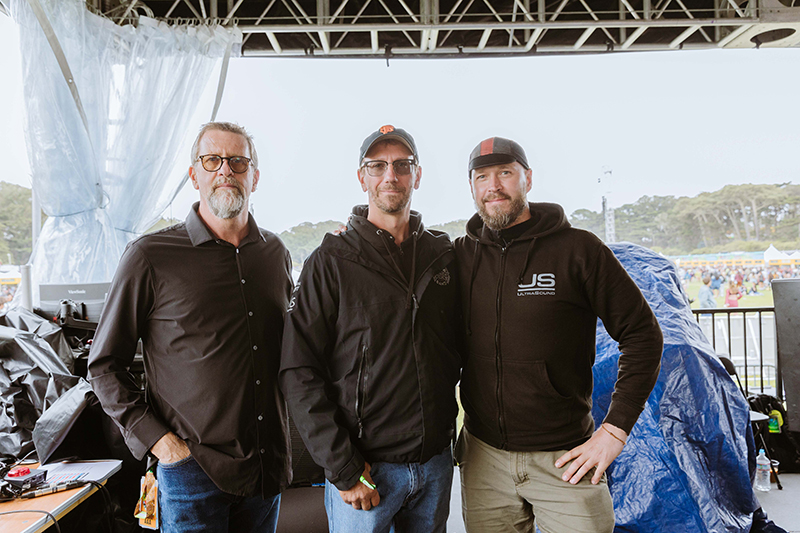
x: 464, y: 28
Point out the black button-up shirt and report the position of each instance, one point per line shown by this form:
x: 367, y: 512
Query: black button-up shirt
x: 210, y: 316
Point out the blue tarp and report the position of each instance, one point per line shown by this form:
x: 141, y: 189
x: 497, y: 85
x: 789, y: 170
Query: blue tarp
x: 685, y: 468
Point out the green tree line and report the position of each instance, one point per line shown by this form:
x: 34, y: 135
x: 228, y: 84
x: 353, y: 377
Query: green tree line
x: 735, y: 218
x: 15, y: 224
x: 302, y: 239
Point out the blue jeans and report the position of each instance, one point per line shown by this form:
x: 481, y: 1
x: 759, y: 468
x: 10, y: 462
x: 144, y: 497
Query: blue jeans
x: 414, y: 497
x: 188, y: 501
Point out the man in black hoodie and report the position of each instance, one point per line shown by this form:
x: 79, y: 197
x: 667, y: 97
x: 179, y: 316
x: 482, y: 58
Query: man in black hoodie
x: 369, y: 362
x: 533, y: 289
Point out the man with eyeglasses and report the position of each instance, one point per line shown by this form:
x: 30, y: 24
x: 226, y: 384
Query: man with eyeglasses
x: 370, y: 358
x: 207, y: 297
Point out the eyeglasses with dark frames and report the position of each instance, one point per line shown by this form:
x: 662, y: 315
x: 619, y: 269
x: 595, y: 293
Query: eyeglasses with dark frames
x: 402, y: 167
x: 213, y: 162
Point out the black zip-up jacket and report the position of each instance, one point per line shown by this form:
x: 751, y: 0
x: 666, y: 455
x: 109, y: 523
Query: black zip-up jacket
x: 370, y: 361
x: 531, y: 307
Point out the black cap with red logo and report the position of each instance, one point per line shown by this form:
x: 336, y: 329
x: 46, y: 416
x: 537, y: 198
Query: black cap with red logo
x: 497, y: 151
x: 388, y: 132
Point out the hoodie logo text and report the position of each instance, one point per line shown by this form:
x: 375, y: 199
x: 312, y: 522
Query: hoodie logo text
x: 540, y: 285
x: 293, y: 301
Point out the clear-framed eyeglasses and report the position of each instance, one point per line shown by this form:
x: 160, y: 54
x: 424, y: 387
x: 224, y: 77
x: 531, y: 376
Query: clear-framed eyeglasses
x: 402, y: 167
x: 212, y: 162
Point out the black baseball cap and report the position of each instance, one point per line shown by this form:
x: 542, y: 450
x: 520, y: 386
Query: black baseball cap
x: 497, y: 151
x: 388, y: 132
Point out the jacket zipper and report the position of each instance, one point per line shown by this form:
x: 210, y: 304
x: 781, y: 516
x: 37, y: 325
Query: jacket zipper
x: 498, y: 355
x: 362, y: 371
x: 413, y: 310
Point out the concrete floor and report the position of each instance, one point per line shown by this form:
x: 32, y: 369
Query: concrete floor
x: 783, y: 506
x: 306, y: 506
x: 455, y: 523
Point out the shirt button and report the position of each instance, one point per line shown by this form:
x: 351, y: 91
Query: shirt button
x: 242, y: 281
x: 258, y: 382
x: 255, y: 348
x: 250, y: 313
x: 260, y: 417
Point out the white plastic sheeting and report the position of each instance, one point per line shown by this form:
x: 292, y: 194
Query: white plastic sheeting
x: 105, y: 181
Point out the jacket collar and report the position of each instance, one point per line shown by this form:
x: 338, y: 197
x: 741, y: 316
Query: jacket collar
x: 199, y: 232
x: 373, y: 234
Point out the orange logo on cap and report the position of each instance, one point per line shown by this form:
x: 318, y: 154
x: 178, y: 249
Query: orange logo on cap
x: 386, y: 129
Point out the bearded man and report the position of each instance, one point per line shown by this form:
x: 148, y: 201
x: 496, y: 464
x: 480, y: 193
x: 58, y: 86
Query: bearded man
x: 370, y: 358
x: 533, y: 288
x: 207, y: 298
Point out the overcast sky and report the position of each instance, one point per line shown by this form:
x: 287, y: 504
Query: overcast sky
x: 668, y: 123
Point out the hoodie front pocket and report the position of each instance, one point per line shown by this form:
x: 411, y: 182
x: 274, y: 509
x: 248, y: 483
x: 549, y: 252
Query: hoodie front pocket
x: 531, y: 403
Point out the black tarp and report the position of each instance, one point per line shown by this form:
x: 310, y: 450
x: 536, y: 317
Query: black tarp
x: 32, y: 376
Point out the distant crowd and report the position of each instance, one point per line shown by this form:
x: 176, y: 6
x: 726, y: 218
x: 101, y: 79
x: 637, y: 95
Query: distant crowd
x: 734, y: 283
x: 6, y: 294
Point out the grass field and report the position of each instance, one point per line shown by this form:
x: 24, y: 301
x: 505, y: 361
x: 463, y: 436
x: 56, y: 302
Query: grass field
x: 762, y: 300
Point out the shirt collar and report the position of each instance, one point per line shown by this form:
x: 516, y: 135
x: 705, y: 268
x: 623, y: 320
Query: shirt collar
x: 199, y: 232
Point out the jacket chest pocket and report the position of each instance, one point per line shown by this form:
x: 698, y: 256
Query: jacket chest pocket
x: 362, y: 382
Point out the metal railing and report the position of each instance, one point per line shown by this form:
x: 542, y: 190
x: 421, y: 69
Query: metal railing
x: 746, y: 335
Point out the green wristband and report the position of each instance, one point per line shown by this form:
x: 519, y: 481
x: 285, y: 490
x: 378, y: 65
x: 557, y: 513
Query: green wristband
x: 363, y: 480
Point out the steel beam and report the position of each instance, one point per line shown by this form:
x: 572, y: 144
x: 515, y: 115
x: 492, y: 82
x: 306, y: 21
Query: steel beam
x: 232, y: 11
x: 273, y: 41
x: 411, y: 28
x: 683, y: 36
x: 484, y: 39
x: 583, y: 38
x: 504, y: 25
x: 634, y: 36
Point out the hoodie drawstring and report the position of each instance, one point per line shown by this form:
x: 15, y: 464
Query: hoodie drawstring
x: 475, y: 261
x: 527, y: 260
x: 413, y: 270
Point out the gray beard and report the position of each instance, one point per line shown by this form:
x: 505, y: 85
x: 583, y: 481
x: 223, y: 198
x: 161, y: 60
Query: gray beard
x: 226, y: 205
x: 502, y: 220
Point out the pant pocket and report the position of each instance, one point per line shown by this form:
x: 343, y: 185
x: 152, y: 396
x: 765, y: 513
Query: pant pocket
x: 176, y: 464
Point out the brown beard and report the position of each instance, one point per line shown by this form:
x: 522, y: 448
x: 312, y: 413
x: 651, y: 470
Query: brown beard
x: 398, y: 205
x: 504, y: 219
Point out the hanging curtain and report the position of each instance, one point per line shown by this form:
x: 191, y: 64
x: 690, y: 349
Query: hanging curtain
x: 103, y: 177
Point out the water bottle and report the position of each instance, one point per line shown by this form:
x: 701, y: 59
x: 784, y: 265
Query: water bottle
x: 762, y: 472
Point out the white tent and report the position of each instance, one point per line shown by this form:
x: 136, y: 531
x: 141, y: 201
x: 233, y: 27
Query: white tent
x: 774, y: 256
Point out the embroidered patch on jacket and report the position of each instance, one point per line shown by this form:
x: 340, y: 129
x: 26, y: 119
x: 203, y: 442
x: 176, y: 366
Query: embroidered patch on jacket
x: 443, y: 277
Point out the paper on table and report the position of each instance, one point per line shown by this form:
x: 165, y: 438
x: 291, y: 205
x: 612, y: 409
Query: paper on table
x: 81, y: 470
